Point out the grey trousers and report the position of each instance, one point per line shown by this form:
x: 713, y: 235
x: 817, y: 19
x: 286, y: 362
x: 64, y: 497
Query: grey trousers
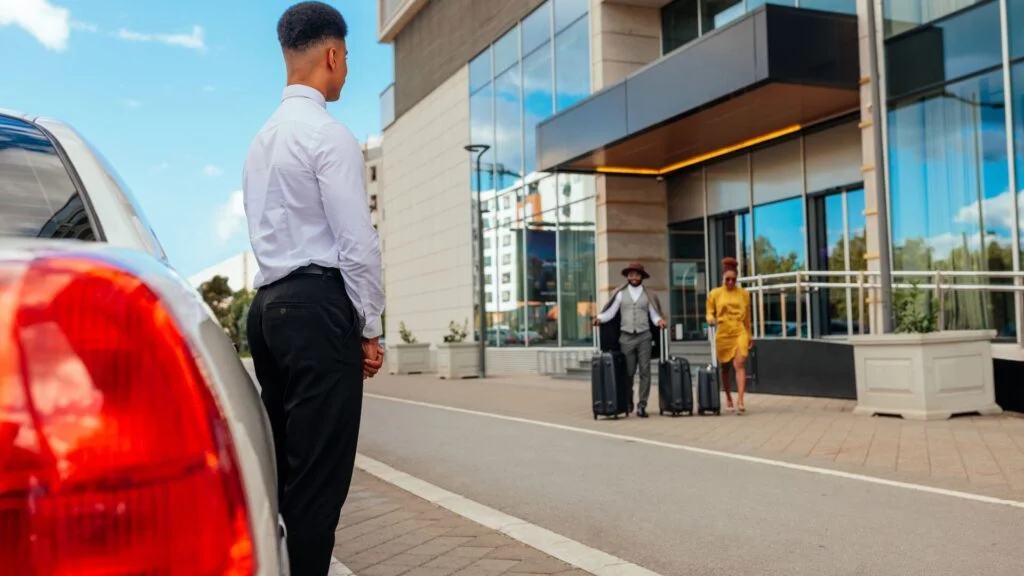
x: 637, y: 349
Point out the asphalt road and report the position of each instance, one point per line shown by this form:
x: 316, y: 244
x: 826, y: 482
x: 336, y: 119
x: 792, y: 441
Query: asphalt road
x: 681, y: 513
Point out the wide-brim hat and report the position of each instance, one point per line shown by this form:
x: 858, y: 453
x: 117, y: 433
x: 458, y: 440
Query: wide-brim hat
x: 636, y: 267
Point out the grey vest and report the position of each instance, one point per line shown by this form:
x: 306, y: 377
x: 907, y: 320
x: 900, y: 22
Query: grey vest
x: 634, y: 313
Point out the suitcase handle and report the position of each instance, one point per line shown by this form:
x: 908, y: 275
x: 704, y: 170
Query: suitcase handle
x: 597, y: 338
x: 664, y: 344
x: 712, y: 328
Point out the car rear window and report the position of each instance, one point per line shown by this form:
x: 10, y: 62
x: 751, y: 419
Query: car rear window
x: 38, y: 198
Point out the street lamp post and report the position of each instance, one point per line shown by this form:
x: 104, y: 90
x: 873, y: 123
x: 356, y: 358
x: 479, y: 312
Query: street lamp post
x: 480, y: 149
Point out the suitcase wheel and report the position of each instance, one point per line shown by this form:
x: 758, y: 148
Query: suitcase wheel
x: 661, y: 412
x: 616, y: 417
x: 700, y: 412
x: 595, y: 415
x: 718, y: 412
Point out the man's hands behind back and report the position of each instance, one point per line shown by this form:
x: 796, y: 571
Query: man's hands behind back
x: 373, y: 357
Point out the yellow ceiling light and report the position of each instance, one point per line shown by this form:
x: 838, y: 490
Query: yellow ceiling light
x: 703, y: 157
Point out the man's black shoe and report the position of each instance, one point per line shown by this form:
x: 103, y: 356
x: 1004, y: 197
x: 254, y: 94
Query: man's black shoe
x: 641, y: 412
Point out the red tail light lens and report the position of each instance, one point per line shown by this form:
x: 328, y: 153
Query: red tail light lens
x: 115, y: 459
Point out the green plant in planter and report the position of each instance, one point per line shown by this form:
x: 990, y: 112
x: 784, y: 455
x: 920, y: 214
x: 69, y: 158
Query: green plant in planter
x: 913, y: 310
x: 405, y: 334
x: 456, y: 333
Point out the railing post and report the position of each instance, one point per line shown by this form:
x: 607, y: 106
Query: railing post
x: 760, y: 305
x: 860, y: 300
x: 785, y: 327
x: 799, y: 308
x: 942, y: 301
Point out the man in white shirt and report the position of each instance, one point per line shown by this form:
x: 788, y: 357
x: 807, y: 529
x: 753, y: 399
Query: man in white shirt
x: 634, y: 312
x: 315, y: 322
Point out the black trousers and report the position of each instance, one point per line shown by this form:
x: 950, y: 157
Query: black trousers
x: 306, y: 348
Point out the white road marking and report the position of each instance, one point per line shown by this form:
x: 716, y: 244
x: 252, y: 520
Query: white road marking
x: 721, y: 454
x: 555, y: 545
x: 338, y: 569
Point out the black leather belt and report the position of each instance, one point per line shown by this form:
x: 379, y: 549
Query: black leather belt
x: 317, y: 270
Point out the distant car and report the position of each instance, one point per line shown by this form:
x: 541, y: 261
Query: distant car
x: 132, y: 440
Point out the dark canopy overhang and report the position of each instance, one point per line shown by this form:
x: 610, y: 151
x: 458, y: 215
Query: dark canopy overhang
x: 770, y: 73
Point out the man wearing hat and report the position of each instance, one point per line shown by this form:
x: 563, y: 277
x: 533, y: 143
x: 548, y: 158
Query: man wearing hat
x: 635, y: 312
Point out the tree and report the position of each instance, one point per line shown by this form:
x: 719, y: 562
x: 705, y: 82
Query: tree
x: 217, y: 294
x: 238, y: 314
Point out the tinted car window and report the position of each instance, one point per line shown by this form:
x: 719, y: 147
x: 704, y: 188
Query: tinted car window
x: 37, y: 196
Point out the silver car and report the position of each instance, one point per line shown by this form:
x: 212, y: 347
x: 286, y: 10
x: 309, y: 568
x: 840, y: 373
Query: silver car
x: 132, y: 440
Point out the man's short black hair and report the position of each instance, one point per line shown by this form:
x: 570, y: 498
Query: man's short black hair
x: 309, y: 23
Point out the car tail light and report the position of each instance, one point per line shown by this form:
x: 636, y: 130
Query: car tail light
x: 115, y: 458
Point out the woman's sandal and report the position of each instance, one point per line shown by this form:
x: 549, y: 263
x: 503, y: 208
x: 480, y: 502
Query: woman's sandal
x: 742, y: 409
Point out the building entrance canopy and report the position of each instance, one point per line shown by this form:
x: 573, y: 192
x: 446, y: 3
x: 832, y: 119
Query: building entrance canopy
x: 767, y: 74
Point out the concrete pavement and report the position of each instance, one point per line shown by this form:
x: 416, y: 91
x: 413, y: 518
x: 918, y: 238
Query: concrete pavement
x: 677, y: 512
x: 980, y: 455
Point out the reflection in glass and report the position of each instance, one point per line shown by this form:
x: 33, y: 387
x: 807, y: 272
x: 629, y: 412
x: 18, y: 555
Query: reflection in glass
x: 1017, y: 73
x: 509, y: 129
x: 718, y: 13
x: 680, y: 23
x: 840, y: 246
x: 480, y: 70
x: 840, y: 6
x: 950, y: 201
x: 687, y: 282
x: 506, y: 51
x: 964, y: 44
x: 779, y: 247
x: 541, y: 280
x: 481, y: 131
x: 537, y: 28
x: 539, y: 99
x: 1015, y: 12
x: 567, y: 11
x: 577, y: 261
x: 572, y: 63
x: 505, y: 310
x: 902, y: 15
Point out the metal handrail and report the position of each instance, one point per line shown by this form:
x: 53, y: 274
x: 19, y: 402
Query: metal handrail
x: 805, y: 282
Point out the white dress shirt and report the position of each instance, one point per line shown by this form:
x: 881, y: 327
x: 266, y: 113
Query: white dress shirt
x: 305, y: 202
x: 634, y: 291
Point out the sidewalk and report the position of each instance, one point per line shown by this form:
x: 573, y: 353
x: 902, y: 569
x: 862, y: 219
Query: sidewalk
x: 386, y: 531
x: 972, y: 454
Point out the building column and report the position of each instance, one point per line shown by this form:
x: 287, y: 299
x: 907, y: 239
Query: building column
x: 623, y: 39
x: 632, y: 226
x: 873, y: 311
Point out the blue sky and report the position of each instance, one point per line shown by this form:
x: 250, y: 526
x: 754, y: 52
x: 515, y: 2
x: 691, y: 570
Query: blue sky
x: 172, y: 94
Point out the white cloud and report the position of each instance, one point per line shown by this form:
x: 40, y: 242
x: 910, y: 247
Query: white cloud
x: 50, y: 25
x: 998, y: 211
x: 193, y: 41
x: 231, y: 216
x: 84, y: 26
x: 212, y: 171
x: 130, y: 103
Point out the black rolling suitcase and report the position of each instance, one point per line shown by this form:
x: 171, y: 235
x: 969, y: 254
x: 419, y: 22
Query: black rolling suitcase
x: 609, y: 382
x: 675, y: 386
x: 709, y: 399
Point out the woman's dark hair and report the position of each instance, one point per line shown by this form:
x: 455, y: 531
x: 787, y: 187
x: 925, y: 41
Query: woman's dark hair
x: 730, y: 264
x: 307, y: 24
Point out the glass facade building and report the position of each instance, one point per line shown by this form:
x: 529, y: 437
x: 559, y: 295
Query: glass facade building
x: 538, y: 228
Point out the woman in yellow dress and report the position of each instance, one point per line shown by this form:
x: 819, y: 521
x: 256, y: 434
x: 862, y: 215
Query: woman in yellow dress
x: 729, y: 310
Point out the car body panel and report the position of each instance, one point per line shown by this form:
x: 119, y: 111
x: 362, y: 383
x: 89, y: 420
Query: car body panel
x: 130, y: 244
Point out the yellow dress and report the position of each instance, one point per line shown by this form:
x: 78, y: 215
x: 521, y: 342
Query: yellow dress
x: 730, y: 309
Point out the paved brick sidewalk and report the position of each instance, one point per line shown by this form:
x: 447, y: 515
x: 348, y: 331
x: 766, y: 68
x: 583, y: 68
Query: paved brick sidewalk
x: 979, y: 455
x: 386, y: 531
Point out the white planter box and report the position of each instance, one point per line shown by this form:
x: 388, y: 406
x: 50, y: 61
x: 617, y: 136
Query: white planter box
x: 409, y: 358
x: 458, y: 360
x: 925, y: 376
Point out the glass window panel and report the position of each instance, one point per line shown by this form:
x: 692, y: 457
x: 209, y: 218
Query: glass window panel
x: 1015, y: 10
x: 686, y: 195
x: 540, y: 196
x: 841, y: 6
x: 680, y: 24
x: 573, y: 188
x: 833, y: 157
x: 481, y: 131
x: 577, y: 262
x: 856, y: 223
x: 480, y: 70
x: 567, y: 11
x: 902, y: 15
x: 508, y: 129
x: 835, y: 260
x: 962, y: 45
x: 718, y: 13
x: 506, y: 51
x: 537, y: 28
x: 541, y: 280
x: 688, y: 288
x: 572, y: 64
x: 1017, y: 74
x: 506, y: 314
x: 779, y: 246
x: 538, y: 92
x: 777, y: 172
x: 728, y: 185
x: 751, y: 4
x: 950, y: 201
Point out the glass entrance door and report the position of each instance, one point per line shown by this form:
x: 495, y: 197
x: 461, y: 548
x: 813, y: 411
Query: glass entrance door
x: 838, y: 243
x: 731, y: 237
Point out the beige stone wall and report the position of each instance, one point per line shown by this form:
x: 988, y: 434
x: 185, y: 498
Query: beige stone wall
x: 632, y: 212
x: 426, y: 223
